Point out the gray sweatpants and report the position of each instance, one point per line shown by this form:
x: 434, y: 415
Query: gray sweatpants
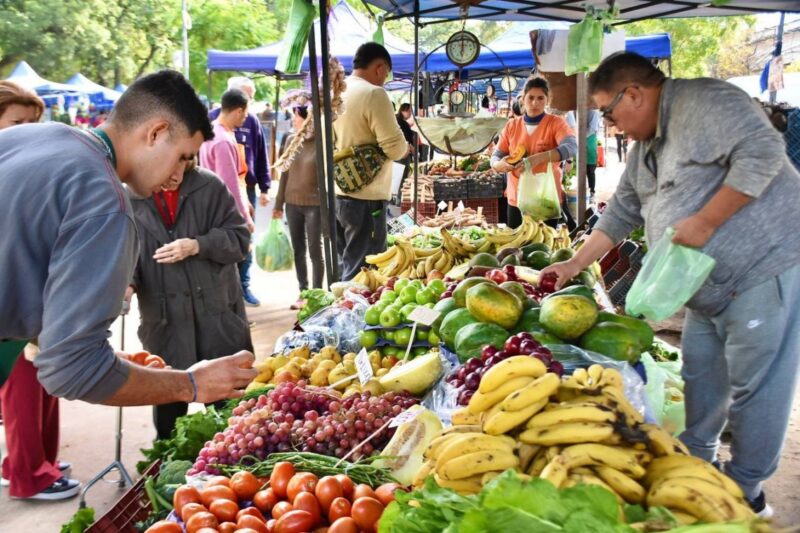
x: 742, y: 366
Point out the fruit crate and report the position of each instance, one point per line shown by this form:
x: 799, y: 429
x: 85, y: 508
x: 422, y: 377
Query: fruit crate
x: 132, y: 507
x: 486, y: 187
x: 424, y: 209
x: 491, y: 208
x: 445, y: 189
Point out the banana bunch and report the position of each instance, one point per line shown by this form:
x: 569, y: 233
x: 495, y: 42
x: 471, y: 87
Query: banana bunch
x: 561, y: 238
x: 397, y: 260
x: 461, y: 249
x: 440, y: 259
x: 529, y: 232
x: 372, y: 279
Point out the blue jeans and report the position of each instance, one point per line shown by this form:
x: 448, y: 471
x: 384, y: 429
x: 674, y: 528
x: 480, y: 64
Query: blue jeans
x: 741, y: 366
x: 244, y: 266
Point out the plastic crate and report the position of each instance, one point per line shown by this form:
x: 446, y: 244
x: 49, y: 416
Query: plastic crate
x: 425, y: 209
x: 490, y: 208
x: 486, y: 187
x: 132, y: 507
x: 445, y: 189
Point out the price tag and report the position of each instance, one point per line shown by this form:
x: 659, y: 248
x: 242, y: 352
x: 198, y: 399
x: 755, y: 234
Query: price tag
x: 401, y: 224
x: 363, y: 367
x: 423, y: 315
x: 460, y: 207
x: 442, y: 205
x: 406, y: 416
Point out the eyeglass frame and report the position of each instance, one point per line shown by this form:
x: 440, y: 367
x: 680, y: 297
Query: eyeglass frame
x: 606, y: 113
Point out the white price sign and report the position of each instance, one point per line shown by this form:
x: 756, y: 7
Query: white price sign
x: 460, y: 207
x: 423, y: 315
x: 406, y: 416
x: 363, y: 367
x: 442, y: 205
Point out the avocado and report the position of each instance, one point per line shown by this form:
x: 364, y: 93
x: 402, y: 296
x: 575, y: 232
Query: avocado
x: 535, y: 247
x: 538, y: 259
x: 642, y: 328
x: 564, y: 254
x: 506, y: 252
x: 510, y: 260
x: 613, y: 340
x: 484, y: 259
x: 518, y: 290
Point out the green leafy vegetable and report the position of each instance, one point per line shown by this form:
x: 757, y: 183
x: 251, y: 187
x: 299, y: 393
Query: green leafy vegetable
x: 80, y: 521
x: 315, y: 299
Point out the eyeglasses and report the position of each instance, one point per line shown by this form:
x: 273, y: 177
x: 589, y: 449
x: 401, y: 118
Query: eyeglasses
x: 606, y: 113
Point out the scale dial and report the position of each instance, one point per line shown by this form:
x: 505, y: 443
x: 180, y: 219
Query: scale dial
x: 457, y: 97
x: 463, y: 48
x: 508, y: 83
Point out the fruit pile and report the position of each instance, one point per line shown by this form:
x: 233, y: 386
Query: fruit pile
x: 468, y: 377
x: 297, y: 364
x: 293, y: 502
x: 571, y: 430
x: 294, y: 416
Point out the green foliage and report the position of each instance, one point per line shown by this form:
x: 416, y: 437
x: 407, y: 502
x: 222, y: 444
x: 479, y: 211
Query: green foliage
x: 80, y: 521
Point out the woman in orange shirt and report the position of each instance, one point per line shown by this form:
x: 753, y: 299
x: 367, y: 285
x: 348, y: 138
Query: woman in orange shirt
x: 546, y: 138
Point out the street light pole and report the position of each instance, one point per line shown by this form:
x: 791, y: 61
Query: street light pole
x: 187, y: 24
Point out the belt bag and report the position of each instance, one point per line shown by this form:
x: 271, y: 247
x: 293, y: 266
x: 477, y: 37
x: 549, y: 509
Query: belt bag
x: 356, y: 167
x: 10, y: 351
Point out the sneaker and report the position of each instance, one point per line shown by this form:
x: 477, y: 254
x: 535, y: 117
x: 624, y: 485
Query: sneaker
x: 62, y: 489
x: 760, y: 506
x: 64, y: 467
x: 250, y: 299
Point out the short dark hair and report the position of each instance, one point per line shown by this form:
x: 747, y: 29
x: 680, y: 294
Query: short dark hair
x: 369, y: 52
x: 515, y: 107
x: 536, y: 83
x: 234, y: 99
x: 624, y: 68
x: 165, y: 92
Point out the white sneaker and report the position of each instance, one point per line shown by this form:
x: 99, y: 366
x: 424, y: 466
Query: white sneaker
x: 62, y: 489
x: 64, y: 467
x: 761, y: 507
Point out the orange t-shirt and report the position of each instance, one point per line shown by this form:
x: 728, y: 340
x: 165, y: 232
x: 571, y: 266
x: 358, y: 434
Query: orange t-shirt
x: 547, y: 136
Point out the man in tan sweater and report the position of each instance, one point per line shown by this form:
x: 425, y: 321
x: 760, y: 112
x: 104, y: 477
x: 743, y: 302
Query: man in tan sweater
x: 368, y: 119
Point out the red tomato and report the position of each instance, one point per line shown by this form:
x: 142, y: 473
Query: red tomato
x: 227, y: 527
x: 265, y: 500
x: 339, y: 507
x: 385, y: 492
x: 271, y: 525
x: 328, y: 489
x: 302, y: 482
x: 138, y: 358
x: 191, y: 509
x: 252, y: 511
x: 183, y: 495
x: 344, y: 525
x: 279, y: 479
x: 165, y: 526
x: 201, y: 520
x: 348, y: 487
x: 154, y: 361
x: 207, y: 530
x: 322, y: 529
x: 218, y: 480
x: 224, y: 510
x: 295, y: 522
x: 280, y: 509
x: 306, y: 501
x: 216, y: 492
x: 245, y: 530
x: 363, y: 491
x: 245, y: 485
x: 251, y: 522
x: 366, y: 512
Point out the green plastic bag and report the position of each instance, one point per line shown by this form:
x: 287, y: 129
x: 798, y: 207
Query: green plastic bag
x: 584, y: 46
x: 301, y: 18
x: 537, y: 195
x: 273, y: 251
x: 664, y: 391
x: 671, y: 274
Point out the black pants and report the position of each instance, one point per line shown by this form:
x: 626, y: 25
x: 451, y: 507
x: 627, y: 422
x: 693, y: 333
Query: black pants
x: 590, y: 177
x: 513, y: 217
x: 622, y: 147
x: 304, y: 230
x: 360, y: 231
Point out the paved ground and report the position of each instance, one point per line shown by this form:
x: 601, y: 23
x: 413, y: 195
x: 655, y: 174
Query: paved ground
x: 87, y: 434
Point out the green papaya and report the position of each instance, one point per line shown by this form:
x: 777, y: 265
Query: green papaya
x: 453, y: 322
x: 460, y: 294
x: 535, y: 247
x: 613, y: 340
x: 444, y: 306
x: 471, y: 339
x: 529, y: 321
x: 642, y: 328
x: 568, y: 316
x: 564, y: 254
x: 546, y: 338
x: 579, y: 290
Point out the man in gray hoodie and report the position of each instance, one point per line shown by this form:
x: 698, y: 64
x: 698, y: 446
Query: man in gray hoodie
x: 708, y: 163
x: 70, y: 244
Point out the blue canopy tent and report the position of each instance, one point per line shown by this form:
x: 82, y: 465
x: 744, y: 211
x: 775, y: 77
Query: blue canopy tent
x: 50, y: 91
x: 101, y: 97
x: 121, y: 88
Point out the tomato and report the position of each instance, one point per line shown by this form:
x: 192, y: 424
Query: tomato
x: 252, y: 511
x: 251, y: 522
x: 224, y: 510
x: 265, y: 500
x: 306, y: 501
x: 207, y: 530
x: 227, y: 527
x: 154, y: 361
x: 302, y: 482
x: 165, y: 526
x: 328, y: 489
x: 216, y: 492
x: 366, y: 512
x: 295, y: 522
x: 201, y: 520
x: 279, y: 479
x: 280, y: 509
x: 271, y: 525
x: 321, y: 529
x: 138, y: 357
x: 218, y: 480
x: 348, y: 487
x: 245, y: 530
x: 190, y: 509
x: 363, y: 491
x: 183, y: 495
x: 385, y: 492
x: 245, y: 485
x: 343, y: 525
x: 339, y: 507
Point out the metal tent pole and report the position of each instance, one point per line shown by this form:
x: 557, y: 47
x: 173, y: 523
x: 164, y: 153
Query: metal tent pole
x: 276, y: 114
x: 415, y: 82
x: 581, y: 113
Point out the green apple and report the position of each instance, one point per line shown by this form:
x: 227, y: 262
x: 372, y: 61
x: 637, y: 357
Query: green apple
x: 401, y: 284
x: 409, y: 294
x: 388, y: 296
x: 402, y: 336
x: 390, y: 317
x: 372, y: 316
x: 426, y: 296
x: 368, y: 337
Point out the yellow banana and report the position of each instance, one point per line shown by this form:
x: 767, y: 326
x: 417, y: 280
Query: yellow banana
x: 662, y: 443
x: 426, y: 252
x: 481, y: 402
x: 383, y: 257
x: 469, y: 443
x: 526, y: 453
x: 591, y: 479
x: 471, y: 485
x: 626, y: 460
x: 698, y: 498
x: 630, y: 490
x: 573, y: 413
x: 687, y: 465
x: 540, y: 389
x: 463, y: 417
x: 424, y: 471
x: 538, y: 463
x: 518, y: 365
x: 623, y: 405
x: 436, y: 445
x: 571, y: 433
x: 475, y: 463
x: 504, y: 421
x: 472, y: 428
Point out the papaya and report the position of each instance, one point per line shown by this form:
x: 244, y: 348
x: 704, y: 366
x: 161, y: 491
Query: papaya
x: 453, y: 322
x: 484, y: 259
x: 564, y: 254
x: 538, y: 259
x: 471, y: 339
x: 543, y: 337
x: 535, y: 247
x: 529, y: 321
x: 518, y: 290
x: 580, y: 290
x: 613, y: 340
x: 511, y: 259
x: 585, y: 278
x: 568, y: 316
x: 460, y: 294
x: 516, y: 155
x: 642, y: 328
x: 489, y: 303
x: 444, y: 306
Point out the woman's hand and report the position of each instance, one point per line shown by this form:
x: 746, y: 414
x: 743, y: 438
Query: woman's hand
x: 177, y: 250
x: 503, y: 165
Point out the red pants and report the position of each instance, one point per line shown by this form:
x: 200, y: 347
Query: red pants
x: 30, y: 416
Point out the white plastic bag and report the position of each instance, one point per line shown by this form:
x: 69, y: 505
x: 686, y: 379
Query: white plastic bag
x: 537, y: 194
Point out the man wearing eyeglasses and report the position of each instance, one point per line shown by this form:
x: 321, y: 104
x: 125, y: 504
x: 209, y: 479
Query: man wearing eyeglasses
x: 708, y: 163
